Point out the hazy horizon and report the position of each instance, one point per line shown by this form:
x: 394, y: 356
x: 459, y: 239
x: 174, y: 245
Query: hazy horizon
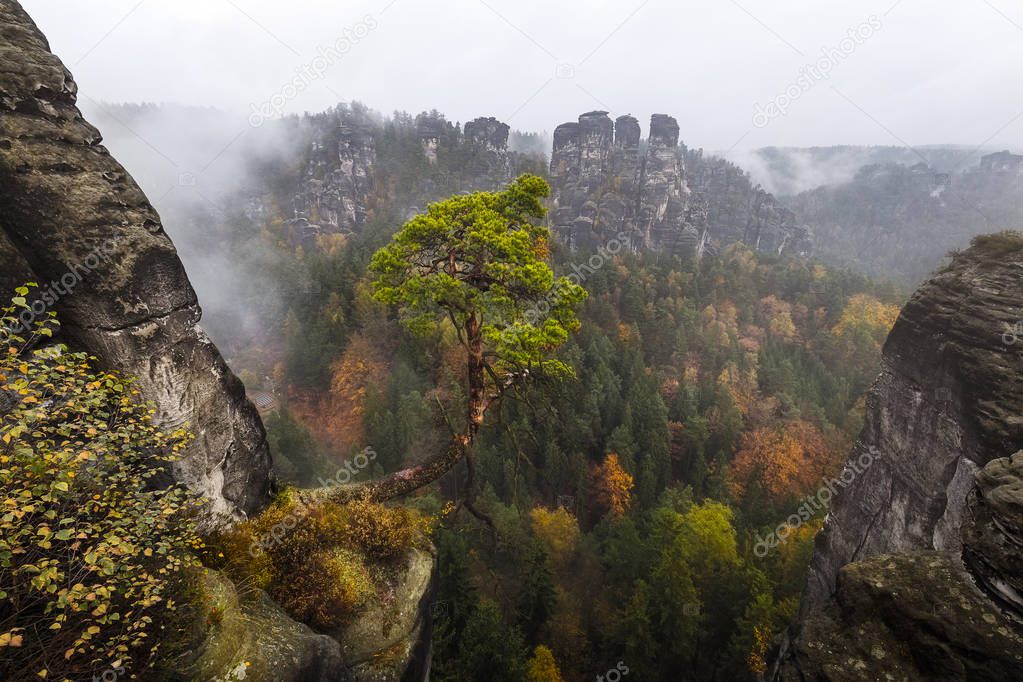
x: 880, y: 73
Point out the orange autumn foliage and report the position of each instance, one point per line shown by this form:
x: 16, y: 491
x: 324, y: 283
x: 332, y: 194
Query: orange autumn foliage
x: 789, y: 460
x: 336, y: 417
x: 613, y: 486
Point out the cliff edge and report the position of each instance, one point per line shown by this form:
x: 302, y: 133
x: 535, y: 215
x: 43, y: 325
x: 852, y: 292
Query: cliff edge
x: 74, y: 221
x: 917, y: 573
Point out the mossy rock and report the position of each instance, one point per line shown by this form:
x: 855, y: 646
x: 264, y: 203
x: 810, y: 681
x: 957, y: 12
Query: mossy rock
x: 249, y: 637
x: 381, y: 641
x: 245, y: 635
x: 907, y: 617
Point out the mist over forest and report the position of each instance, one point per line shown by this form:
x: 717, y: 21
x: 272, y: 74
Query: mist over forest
x: 512, y: 342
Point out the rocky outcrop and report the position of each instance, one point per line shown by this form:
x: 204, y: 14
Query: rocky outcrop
x: 487, y: 143
x: 431, y: 129
x: 73, y: 220
x: 490, y: 135
x: 390, y: 640
x: 244, y: 635
x: 941, y: 420
x: 906, y: 617
x: 356, y: 162
x: 739, y: 210
x: 993, y: 537
x: 606, y: 182
x: 337, y: 181
x: 605, y: 185
x: 936, y: 417
x: 1002, y: 162
x: 662, y: 197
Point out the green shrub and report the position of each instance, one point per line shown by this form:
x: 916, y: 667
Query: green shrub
x: 93, y: 544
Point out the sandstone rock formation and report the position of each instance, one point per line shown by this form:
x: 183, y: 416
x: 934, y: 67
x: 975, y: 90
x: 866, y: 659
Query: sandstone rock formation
x: 490, y: 134
x: 73, y: 220
x: 432, y: 129
x: 943, y: 502
x: 607, y: 182
x: 1002, y: 162
x: 906, y: 617
x: 251, y: 638
x: 487, y: 140
x: 345, y: 173
x: 993, y: 537
x: 337, y: 180
x: 738, y: 210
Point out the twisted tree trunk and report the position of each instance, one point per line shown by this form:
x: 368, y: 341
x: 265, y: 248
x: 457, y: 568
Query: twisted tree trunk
x: 412, y: 478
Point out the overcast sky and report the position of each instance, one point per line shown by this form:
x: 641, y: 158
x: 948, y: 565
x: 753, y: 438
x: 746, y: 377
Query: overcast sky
x: 919, y: 72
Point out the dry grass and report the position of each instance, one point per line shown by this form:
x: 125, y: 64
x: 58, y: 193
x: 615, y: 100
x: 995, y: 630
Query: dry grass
x: 321, y: 563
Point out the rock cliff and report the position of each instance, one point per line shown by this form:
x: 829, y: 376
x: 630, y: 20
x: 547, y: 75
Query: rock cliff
x: 737, y: 209
x: 486, y: 142
x: 606, y: 181
x: 917, y: 572
x: 337, y: 180
x: 356, y: 162
x: 250, y: 637
x: 73, y: 220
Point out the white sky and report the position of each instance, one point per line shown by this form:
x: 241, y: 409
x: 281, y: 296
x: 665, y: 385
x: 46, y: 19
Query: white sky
x: 936, y: 72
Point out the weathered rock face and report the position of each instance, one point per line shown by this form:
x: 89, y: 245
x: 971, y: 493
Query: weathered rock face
x: 431, y: 129
x: 356, y: 161
x: 252, y: 638
x: 597, y: 178
x: 487, y: 143
x: 906, y: 617
x: 1002, y: 162
x: 941, y: 419
x: 390, y: 641
x: 488, y: 133
x: 661, y: 197
x: 738, y: 210
x: 337, y: 181
x: 993, y: 536
x: 74, y: 221
x: 948, y: 401
x: 662, y: 187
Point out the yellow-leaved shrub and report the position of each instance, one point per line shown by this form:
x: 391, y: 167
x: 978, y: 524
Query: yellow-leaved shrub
x: 322, y: 562
x: 94, y: 541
